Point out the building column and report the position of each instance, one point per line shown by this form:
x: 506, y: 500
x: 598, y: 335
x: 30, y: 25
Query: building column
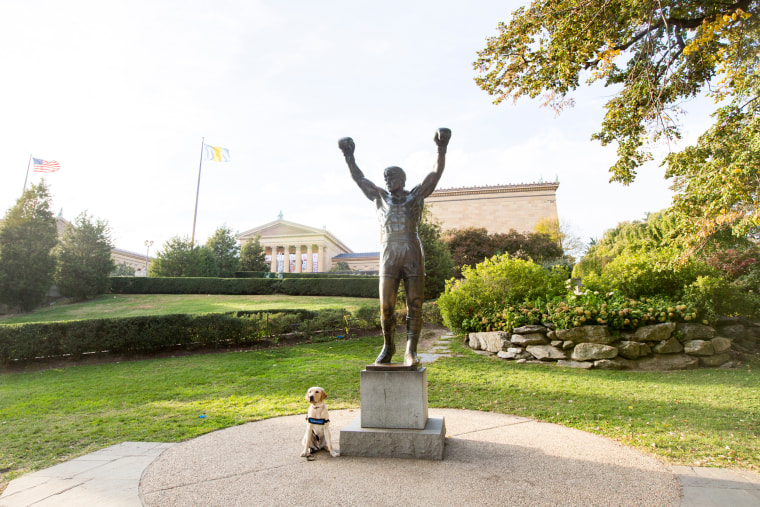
x: 322, y: 252
x: 286, y: 266
x: 273, y: 260
x: 309, y: 265
x: 298, y: 259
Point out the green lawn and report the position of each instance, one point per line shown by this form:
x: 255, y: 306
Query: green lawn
x: 697, y: 417
x: 160, y: 304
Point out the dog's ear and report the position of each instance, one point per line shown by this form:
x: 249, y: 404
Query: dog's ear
x: 324, y: 394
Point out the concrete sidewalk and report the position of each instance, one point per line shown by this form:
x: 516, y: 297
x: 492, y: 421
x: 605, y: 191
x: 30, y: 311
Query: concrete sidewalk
x: 490, y: 459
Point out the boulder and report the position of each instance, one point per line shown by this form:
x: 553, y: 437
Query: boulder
x: 671, y: 346
x: 617, y: 363
x: 655, y: 333
x: 733, y: 331
x: 593, y: 351
x: 575, y: 364
x: 546, y: 352
x: 514, y: 353
x: 586, y: 334
x: 633, y: 350
x: 556, y: 343
x: 552, y: 335
x: 716, y: 360
x: 524, y: 340
x: 720, y: 344
x: 491, y: 341
x: 663, y: 362
x: 699, y: 348
x: 568, y: 344
x: 689, y: 331
x: 529, y: 329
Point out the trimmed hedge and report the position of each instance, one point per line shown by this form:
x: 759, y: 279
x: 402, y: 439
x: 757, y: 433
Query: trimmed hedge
x: 267, y: 274
x: 367, y: 287
x: 145, y: 335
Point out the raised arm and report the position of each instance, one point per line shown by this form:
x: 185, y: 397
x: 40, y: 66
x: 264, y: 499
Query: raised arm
x: 371, y: 190
x: 441, y: 138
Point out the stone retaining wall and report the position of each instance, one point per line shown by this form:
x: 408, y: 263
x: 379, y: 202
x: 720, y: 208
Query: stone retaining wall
x: 667, y: 346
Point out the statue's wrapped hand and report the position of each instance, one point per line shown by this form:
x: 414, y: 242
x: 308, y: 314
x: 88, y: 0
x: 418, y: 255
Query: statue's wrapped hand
x: 442, y: 136
x: 347, y: 146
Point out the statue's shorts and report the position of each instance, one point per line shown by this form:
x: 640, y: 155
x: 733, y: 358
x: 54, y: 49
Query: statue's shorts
x: 401, y: 259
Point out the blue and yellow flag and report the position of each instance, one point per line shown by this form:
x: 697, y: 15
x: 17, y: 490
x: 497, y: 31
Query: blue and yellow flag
x: 216, y: 153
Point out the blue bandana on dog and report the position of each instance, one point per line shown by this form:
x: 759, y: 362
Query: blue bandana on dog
x: 321, y: 422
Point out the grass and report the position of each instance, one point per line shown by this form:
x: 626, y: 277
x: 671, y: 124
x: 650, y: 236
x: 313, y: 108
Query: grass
x: 697, y: 417
x: 162, y: 304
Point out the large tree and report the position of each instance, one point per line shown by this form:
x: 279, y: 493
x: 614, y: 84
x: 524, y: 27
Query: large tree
x: 252, y: 255
x: 654, y: 54
x: 226, y: 251
x: 84, y: 258
x: 27, y: 237
x: 179, y: 257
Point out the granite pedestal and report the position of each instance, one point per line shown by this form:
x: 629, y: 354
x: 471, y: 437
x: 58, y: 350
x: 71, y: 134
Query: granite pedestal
x: 394, y: 417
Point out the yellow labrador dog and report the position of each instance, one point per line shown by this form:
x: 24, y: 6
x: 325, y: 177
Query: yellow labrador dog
x: 318, y: 429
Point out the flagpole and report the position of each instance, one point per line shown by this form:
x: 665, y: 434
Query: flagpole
x: 197, y: 192
x: 28, y: 165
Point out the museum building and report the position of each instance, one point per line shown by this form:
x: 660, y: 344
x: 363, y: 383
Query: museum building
x: 298, y: 248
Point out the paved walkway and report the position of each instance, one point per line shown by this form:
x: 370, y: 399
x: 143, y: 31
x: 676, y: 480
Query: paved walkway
x: 490, y: 459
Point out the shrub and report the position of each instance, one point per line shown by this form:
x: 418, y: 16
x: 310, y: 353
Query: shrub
x: 716, y: 297
x: 646, y: 273
x: 497, y: 283
x: 20, y: 342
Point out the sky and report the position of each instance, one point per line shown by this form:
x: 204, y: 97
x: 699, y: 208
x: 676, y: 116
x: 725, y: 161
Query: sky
x: 123, y: 93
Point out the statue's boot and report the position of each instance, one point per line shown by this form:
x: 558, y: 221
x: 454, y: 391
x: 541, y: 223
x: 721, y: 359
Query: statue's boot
x: 413, y: 328
x: 389, y: 345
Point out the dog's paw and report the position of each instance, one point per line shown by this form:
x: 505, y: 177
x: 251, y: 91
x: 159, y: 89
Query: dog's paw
x: 306, y: 453
x: 335, y: 454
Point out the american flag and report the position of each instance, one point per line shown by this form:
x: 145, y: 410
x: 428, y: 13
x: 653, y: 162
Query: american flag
x: 43, y: 166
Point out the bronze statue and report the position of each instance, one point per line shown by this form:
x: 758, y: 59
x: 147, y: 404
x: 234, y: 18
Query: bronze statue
x: 401, y: 257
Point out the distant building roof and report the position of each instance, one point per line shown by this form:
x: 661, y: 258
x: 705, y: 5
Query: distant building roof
x: 514, y: 187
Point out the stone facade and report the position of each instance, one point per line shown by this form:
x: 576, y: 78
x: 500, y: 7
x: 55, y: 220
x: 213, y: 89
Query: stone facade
x: 666, y: 346
x: 286, y: 243
x: 139, y: 262
x: 498, y: 208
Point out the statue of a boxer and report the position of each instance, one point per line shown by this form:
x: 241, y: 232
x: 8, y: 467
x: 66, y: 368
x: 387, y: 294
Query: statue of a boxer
x: 401, y: 256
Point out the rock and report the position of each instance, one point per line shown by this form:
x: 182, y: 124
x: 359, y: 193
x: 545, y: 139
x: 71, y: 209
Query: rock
x: 552, y: 335
x: 671, y: 346
x: 575, y: 364
x: 568, y: 344
x: 593, y: 351
x: 617, y: 363
x: 521, y: 361
x: 529, y: 339
x: 716, y: 360
x: 546, y: 352
x: 492, y: 341
x: 556, y: 343
x: 655, y: 333
x: 474, y: 341
x: 698, y: 348
x: 733, y: 331
x: 529, y: 329
x: 720, y: 344
x: 514, y: 353
x: 633, y: 350
x: 689, y: 331
x: 586, y: 334
x: 663, y: 362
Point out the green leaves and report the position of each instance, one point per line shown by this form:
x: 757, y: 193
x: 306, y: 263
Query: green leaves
x: 655, y: 54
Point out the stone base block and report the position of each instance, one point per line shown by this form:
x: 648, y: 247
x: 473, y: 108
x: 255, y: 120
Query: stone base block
x: 426, y: 443
x: 394, y: 399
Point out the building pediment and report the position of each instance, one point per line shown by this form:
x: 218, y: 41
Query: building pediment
x: 282, y: 230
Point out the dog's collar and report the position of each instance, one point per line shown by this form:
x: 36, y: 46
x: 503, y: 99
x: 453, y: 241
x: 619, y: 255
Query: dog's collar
x: 317, y: 421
